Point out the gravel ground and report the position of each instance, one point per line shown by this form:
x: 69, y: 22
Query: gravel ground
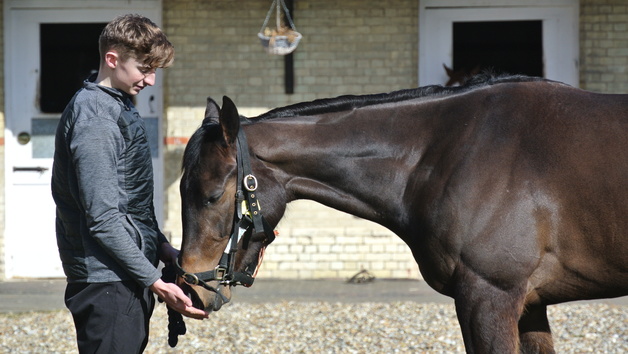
x: 325, y: 327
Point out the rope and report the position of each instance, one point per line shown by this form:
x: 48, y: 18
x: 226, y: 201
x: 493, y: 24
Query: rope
x: 278, y: 5
x: 267, y: 16
x: 176, y: 326
x: 285, y: 9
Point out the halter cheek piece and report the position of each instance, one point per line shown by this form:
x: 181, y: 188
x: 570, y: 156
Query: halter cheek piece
x: 247, y: 221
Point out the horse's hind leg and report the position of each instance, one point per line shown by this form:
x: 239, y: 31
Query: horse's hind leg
x: 535, y: 335
x: 488, y: 315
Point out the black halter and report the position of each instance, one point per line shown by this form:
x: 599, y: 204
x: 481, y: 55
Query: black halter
x: 247, y: 215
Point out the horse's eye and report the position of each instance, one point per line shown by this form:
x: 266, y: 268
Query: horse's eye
x: 212, y: 199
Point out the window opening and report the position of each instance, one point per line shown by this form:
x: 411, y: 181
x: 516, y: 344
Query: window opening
x: 513, y: 47
x: 69, y: 54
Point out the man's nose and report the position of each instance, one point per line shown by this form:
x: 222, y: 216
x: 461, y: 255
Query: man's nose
x: 150, y: 79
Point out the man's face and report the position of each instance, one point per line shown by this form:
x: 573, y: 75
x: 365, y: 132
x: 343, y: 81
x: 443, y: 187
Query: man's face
x: 132, y: 76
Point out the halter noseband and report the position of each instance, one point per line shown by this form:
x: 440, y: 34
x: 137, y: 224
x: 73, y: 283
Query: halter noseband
x: 247, y: 220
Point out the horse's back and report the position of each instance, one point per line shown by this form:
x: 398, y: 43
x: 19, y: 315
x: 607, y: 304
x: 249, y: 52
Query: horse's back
x: 581, y: 134
x: 562, y: 132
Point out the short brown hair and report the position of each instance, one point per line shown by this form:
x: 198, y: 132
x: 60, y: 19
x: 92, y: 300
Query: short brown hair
x: 138, y: 37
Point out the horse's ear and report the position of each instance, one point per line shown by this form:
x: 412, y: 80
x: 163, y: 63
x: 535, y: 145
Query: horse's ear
x: 229, y: 120
x: 212, y: 111
x: 448, y: 70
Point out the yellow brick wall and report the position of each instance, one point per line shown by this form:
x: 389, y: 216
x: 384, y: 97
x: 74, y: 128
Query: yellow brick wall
x: 218, y: 52
x: 604, y: 45
x: 318, y: 242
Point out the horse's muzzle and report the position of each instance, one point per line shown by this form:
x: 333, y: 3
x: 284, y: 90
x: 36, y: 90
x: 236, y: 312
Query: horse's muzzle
x: 207, y: 300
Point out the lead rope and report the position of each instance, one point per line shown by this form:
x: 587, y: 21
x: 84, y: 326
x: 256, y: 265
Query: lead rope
x: 176, y: 325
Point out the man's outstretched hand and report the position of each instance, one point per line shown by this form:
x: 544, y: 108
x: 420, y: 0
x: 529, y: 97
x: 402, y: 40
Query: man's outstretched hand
x: 174, y: 297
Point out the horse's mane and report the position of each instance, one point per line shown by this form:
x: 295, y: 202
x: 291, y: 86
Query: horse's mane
x: 344, y: 103
x: 350, y: 102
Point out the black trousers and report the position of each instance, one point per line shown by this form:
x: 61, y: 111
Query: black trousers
x: 110, y: 317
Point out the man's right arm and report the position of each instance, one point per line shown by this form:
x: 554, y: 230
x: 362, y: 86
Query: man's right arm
x: 96, y: 146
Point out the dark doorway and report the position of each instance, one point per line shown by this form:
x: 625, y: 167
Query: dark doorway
x: 513, y: 47
x: 69, y: 54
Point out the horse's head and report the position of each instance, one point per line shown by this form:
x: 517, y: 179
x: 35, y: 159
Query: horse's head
x: 222, y: 236
x: 460, y: 77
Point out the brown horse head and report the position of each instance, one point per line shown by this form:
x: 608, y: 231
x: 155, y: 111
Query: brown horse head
x: 460, y: 77
x: 208, y: 192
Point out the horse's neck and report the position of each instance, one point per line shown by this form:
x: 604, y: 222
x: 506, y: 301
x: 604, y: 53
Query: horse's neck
x: 355, y: 164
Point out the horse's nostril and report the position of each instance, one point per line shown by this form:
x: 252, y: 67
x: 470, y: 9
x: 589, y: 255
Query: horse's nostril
x: 196, y: 301
x: 217, y: 305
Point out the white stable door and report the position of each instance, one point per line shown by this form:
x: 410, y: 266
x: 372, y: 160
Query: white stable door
x: 30, y: 242
x: 560, y: 33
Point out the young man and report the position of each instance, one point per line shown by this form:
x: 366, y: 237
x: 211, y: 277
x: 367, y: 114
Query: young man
x: 102, y: 183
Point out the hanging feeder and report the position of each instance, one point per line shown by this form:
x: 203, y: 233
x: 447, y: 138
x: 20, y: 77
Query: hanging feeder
x: 280, y: 40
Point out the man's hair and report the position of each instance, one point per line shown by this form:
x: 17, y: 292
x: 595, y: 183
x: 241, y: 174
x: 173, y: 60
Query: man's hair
x: 138, y: 37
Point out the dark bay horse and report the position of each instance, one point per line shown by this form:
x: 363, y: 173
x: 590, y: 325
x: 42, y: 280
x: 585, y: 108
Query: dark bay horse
x: 511, y: 192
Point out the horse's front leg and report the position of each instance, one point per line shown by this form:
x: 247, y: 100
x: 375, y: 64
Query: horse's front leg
x: 488, y: 315
x: 534, y: 331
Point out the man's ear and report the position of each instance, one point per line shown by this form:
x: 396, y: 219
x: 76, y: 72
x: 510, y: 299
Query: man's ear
x: 111, y: 59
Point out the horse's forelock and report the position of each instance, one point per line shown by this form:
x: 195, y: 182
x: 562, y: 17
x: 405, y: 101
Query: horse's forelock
x: 191, y: 157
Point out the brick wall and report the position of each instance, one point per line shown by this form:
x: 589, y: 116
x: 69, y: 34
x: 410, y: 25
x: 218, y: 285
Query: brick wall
x: 218, y: 52
x: 604, y: 45
x: 317, y: 242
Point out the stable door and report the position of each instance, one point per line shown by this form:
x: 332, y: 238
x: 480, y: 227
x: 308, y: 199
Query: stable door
x: 49, y: 53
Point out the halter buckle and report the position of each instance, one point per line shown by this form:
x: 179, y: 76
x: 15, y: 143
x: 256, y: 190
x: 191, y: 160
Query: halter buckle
x: 190, y: 278
x: 248, y: 178
x: 220, y: 273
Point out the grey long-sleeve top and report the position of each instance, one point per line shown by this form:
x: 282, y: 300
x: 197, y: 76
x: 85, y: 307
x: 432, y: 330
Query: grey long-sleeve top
x: 102, y: 184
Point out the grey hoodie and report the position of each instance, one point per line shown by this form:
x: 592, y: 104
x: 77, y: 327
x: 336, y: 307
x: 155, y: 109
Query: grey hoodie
x: 102, y: 184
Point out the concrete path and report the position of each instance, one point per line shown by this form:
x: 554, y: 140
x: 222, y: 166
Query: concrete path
x: 46, y: 295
